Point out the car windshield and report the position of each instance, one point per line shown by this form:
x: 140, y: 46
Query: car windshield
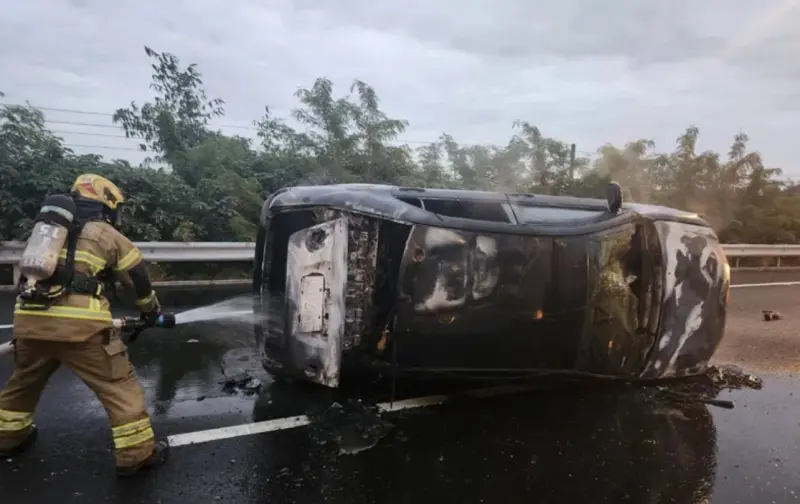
x: 541, y: 214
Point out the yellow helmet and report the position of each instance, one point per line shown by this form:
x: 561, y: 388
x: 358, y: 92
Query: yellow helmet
x: 97, y: 188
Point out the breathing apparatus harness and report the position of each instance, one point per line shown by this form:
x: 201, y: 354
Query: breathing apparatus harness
x: 65, y: 280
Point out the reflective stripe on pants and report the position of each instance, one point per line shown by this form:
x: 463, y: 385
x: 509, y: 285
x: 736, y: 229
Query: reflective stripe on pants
x: 14, y: 421
x: 132, y: 434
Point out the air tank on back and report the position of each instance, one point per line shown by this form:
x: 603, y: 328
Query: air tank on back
x: 40, y: 257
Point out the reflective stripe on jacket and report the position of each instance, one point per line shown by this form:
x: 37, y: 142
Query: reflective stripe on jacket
x: 77, y: 317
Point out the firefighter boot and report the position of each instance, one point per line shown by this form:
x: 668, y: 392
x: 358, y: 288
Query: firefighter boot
x: 159, y: 456
x: 23, y: 446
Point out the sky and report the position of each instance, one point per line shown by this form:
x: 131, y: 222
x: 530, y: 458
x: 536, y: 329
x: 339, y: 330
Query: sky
x: 584, y: 71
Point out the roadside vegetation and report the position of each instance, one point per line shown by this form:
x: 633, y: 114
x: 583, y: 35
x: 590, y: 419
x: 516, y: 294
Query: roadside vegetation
x: 199, y: 184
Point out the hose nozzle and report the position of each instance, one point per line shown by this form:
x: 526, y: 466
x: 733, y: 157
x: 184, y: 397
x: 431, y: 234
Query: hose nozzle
x: 166, y: 320
x: 135, y: 325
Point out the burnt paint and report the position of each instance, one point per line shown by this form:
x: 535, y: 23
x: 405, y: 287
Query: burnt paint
x: 316, y: 240
x: 620, y: 326
x: 362, y: 233
x: 362, y: 250
x: 470, y: 299
x: 696, y: 283
x: 269, y: 281
x: 315, y: 320
x: 614, y: 303
x: 281, y: 352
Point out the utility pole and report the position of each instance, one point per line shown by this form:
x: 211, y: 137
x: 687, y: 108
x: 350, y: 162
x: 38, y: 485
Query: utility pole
x: 572, y: 162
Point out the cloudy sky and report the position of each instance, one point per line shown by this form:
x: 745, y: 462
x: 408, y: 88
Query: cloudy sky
x: 585, y: 71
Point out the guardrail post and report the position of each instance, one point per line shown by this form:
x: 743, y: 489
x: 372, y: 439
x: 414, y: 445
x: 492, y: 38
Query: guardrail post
x: 779, y: 261
x: 16, y: 274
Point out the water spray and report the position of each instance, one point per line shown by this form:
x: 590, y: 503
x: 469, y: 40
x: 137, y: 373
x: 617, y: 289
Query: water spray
x: 235, y: 310
x: 203, y: 315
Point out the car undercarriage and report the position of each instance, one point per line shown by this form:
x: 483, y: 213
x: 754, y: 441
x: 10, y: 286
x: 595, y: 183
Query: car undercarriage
x: 357, y: 279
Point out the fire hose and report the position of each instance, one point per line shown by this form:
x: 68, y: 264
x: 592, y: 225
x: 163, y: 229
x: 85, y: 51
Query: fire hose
x: 130, y: 327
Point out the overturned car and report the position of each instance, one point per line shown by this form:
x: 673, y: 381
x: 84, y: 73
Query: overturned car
x: 360, y: 278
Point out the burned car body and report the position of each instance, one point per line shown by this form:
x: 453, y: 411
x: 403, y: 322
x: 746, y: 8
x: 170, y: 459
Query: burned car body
x: 359, y: 277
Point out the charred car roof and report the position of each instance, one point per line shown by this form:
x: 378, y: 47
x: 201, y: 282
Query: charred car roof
x: 523, y: 213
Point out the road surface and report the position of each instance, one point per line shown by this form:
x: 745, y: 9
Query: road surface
x: 602, y: 446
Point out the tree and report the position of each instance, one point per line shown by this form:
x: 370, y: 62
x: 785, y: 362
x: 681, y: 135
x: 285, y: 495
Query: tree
x: 33, y: 164
x: 212, y: 185
x: 178, y: 117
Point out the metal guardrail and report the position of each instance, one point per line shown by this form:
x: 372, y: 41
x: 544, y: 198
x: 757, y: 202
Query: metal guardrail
x: 757, y: 250
x: 168, y: 252
x: 738, y: 251
x: 10, y: 252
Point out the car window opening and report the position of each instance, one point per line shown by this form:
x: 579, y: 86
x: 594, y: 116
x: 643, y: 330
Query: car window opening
x: 540, y: 214
x: 411, y: 201
x: 474, y: 210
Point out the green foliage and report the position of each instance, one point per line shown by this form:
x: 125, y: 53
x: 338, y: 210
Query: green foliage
x: 212, y: 186
x: 178, y: 117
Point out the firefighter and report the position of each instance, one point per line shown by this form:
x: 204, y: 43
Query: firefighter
x: 75, y: 329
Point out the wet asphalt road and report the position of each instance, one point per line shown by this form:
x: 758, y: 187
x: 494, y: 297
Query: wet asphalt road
x: 599, y: 445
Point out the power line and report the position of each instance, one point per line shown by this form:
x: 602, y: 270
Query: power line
x: 89, y: 133
x: 104, y: 135
x: 106, y: 114
x: 73, y: 123
x: 71, y: 111
x: 102, y: 147
x: 107, y: 126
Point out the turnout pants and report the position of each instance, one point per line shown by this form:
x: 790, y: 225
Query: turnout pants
x: 102, y: 363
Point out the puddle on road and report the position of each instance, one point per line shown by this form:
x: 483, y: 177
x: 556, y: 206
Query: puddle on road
x: 229, y: 407
x: 197, y: 370
x: 627, y: 444
x: 351, y: 425
x: 569, y: 447
x: 576, y: 444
